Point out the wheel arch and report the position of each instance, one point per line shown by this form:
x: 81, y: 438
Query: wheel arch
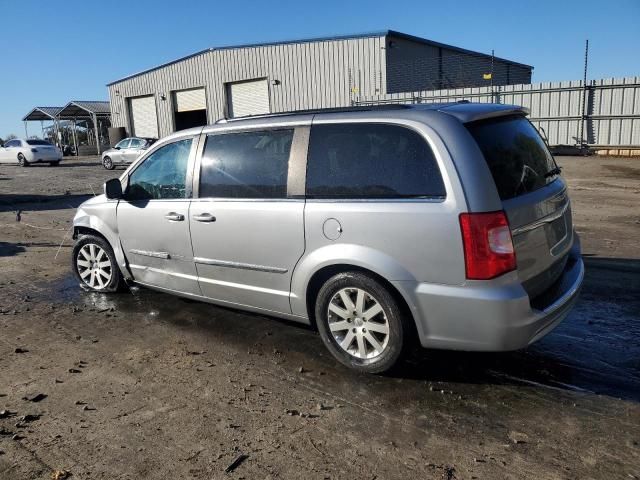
x: 323, y: 274
x: 82, y: 230
x: 90, y: 225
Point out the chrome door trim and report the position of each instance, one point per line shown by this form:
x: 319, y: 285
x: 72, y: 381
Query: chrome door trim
x: 244, y: 286
x: 148, y: 253
x: 243, y: 266
x: 538, y: 223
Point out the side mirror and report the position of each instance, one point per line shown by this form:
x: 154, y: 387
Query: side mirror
x: 113, y: 189
x: 117, y: 148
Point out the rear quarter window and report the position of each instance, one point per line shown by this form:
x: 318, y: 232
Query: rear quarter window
x: 360, y: 160
x: 517, y: 156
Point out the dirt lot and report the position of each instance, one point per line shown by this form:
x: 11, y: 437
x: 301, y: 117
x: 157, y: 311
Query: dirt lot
x: 145, y: 385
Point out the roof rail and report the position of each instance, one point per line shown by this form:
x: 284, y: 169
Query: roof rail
x: 364, y: 108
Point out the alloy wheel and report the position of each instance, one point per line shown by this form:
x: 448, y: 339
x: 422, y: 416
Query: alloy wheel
x: 94, y: 266
x: 358, y: 323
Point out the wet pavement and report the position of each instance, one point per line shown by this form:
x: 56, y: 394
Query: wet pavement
x: 508, y: 415
x: 595, y: 350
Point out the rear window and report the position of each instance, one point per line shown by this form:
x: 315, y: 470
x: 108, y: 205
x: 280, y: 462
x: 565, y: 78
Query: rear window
x: 517, y: 156
x: 38, y: 142
x: 371, y: 161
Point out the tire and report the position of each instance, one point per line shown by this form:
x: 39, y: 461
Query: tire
x: 22, y: 161
x: 108, y: 163
x: 54, y: 164
x: 86, y: 254
x: 381, y: 353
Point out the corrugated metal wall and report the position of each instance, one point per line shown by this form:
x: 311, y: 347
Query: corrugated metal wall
x: 412, y: 66
x: 612, y: 111
x: 315, y: 74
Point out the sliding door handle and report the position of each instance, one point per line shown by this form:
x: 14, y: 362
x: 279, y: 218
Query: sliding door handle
x: 204, y: 217
x: 174, y: 217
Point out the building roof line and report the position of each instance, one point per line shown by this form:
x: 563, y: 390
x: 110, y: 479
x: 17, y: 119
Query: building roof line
x: 381, y: 33
x: 49, y: 112
x: 425, y: 41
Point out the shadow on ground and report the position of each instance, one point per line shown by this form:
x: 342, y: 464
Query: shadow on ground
x: 10, y: 249
x: 35, y: 202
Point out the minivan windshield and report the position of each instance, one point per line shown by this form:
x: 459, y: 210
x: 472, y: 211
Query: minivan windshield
x: 517, y: 156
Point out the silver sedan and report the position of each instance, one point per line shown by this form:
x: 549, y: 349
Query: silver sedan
x: 125, y: 152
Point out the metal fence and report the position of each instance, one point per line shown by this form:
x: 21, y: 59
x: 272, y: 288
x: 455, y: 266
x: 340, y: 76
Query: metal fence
x: 601, y: 114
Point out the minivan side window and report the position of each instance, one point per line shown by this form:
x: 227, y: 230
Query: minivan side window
x: 162, y: 175
x: 251, y: 164
x: 367, y: 160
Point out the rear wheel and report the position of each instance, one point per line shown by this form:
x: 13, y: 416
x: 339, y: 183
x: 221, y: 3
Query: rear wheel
x: 360, y: 322
x: 108, y: 163
x: 22, y: 161
x: 94, y: 264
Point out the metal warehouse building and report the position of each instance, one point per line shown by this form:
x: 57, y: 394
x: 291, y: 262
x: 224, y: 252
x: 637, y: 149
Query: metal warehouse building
x: 295, y: 75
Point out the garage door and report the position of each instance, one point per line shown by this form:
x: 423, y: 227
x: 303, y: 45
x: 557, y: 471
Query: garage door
x: 144, y: 119
x: 248, y: 98
x: 189, y: 100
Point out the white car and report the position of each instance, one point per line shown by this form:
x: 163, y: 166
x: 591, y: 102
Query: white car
x: 25, y: 152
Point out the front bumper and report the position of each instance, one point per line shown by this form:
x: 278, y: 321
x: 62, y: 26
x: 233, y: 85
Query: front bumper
x: 483, y: 316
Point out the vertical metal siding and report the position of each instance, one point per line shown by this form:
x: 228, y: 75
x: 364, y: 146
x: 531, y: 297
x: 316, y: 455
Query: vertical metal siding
x: 310, y: 75
x: 612, y: 107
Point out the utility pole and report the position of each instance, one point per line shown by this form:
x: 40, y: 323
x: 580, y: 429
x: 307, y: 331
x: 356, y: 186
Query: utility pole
x: 584, y: 95
x: 492, y: 57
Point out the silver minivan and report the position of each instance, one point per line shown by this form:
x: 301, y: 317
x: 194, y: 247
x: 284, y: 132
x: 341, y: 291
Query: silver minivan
x: 447, y: 224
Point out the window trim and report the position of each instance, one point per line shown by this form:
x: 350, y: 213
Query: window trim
x: 296, y: 166
x: 195, y: 144
x: 379, y: 199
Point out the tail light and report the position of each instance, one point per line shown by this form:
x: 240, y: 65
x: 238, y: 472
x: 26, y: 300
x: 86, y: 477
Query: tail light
x: 488, y: 247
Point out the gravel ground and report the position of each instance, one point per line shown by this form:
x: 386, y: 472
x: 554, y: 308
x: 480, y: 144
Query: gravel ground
x: 145, y: 385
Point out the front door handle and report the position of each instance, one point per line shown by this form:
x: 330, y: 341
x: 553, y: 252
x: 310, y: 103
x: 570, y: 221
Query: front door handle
x: 204, y: 217
x: 174, y: 217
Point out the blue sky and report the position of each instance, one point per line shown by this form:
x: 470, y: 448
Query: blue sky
x: 54, y: 52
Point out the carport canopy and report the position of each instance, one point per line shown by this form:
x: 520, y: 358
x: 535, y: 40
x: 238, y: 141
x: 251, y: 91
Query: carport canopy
x: 82, y: 109
x: 94, y: 110
x: 42, y: 113
x: 89, y: 111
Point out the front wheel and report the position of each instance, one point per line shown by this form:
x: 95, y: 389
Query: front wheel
x: 108, y: 163
x: 360, y: 322
x: 94, y: 264
x: 22, y: 161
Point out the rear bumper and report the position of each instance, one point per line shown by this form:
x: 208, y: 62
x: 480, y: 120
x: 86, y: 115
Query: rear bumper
x: 45, y: 157
x: 483, y: 316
